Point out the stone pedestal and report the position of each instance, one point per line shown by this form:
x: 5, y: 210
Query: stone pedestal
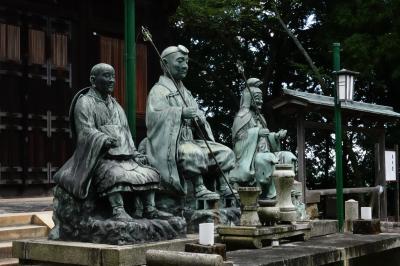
x: 248, y: 199
x: 284, y: 178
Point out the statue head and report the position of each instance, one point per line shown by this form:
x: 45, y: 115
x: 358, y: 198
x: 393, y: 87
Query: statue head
x: 175, y: 61
x: 246, y: 100
x: 102, y: 78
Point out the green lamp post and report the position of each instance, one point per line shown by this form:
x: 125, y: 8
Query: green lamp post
x: 344, y: 91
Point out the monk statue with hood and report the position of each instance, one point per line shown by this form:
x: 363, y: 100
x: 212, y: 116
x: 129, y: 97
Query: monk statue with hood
x: 257, y: 149
x: 106, y: 162
x: 173, y: 144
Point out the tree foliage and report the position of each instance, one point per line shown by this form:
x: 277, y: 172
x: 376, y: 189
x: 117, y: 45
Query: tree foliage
x: 220, y: 32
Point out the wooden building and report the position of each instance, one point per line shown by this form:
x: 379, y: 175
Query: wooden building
x: 299, y: 105
x: 47, y: 48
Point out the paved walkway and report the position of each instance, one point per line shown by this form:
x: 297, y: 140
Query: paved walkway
x: 365, y: 250
x: 26, y: 205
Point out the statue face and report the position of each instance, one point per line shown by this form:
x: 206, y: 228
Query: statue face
x: 177, y: 63
x: 105, y: 80
x: 258, y: 100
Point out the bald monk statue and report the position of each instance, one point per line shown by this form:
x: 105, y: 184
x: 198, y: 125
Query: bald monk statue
x: 257, y: 149
x: 173, y: 144
x: 105, y: 161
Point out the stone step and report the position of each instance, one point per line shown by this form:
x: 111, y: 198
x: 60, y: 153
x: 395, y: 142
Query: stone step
x: 11, y: 219
x: 22, y: 231
x: 9, y: 262
x: 5, y: 250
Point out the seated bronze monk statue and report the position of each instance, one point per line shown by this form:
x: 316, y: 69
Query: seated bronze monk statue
x: 105, y: 161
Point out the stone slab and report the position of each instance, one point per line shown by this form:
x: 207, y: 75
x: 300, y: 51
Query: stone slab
x: 334, y: 248
x: 261, y: 230
x: 172, y: 258
x: 217, y: 248
x: 324, y: 227
x: 237, y: 237
x: 47, y: 252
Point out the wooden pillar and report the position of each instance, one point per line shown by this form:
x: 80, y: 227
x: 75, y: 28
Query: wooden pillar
x: 375, y: 202
x: 397, y: 213
x: 382, y: 177
x: 301, y: 140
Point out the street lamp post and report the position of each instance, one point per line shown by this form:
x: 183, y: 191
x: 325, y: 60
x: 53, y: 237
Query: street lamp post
x: 338, y: 142
x: 344, y: 91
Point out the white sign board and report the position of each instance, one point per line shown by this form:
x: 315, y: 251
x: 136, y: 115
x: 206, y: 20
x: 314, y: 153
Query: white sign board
x: 390, y: 165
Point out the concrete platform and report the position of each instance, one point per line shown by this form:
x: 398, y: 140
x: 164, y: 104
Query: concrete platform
x: 47, y: 252
x: 335, y: 249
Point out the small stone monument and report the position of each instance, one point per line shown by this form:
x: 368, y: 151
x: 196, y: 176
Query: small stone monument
x: 350, y: 214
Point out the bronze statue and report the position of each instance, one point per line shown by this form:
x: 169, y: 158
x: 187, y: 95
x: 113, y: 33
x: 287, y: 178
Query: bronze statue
x: 257, y: 149
x: 105, y: 161
x: 173, y: 145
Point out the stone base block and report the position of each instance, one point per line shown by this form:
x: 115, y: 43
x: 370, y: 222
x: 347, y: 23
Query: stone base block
x: 237, y: 237
x: 324, y: 227
x: 367, y: 227
x: 217, y: 248
x: 48, y: 252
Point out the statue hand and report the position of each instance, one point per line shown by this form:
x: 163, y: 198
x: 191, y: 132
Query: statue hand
x: 263, y: 132
x: 189, y: 112
x: 141, y: 158
x: 282, y: 133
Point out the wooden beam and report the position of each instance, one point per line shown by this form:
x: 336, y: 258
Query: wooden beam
x: 382, y: 176
x: 329, y: 126
x: 397, y: 214
x: 301, y: 146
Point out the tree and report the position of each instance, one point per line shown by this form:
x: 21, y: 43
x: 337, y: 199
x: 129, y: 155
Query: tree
x: 219, y: 32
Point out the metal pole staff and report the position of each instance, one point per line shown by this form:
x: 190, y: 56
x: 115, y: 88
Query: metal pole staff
x: 147, y: 37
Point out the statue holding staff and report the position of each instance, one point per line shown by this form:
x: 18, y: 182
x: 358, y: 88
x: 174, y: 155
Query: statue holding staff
x: 257, y: 149
x: 174, y: 142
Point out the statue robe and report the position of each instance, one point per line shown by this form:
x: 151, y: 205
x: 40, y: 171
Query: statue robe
x: 172, y: 144
x: 93, y: 121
